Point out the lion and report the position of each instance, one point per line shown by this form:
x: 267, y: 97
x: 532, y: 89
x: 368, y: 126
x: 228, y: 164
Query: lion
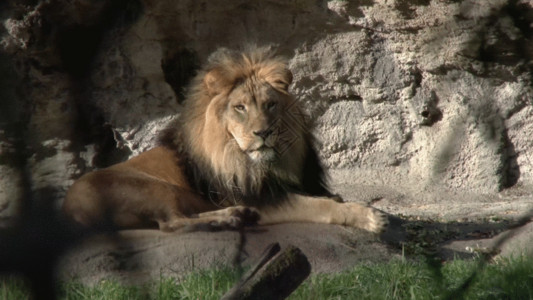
x: 239, y: 154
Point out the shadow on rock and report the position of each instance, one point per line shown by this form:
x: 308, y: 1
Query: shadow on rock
x: 449, y: 240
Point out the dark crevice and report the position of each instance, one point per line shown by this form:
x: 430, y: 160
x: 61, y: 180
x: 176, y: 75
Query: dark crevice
x: 497, y: 50
x: 521, y: 14
x: 78, y: 44
x: 510, y: 172
x: 497, y: 47
x: 91, y: 128
x: 417, y: 76
x: 179, y: 68
x: 109, y: 150
x: 349, y: 97
x: 407, y: 7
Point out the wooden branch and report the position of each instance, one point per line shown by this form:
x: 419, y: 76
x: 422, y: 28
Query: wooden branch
x: 274, y: 276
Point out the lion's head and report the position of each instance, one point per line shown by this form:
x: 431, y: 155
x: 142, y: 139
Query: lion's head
x: 242, y: 129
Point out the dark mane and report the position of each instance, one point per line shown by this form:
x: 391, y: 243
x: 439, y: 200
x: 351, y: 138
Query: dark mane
x: 314, y: 179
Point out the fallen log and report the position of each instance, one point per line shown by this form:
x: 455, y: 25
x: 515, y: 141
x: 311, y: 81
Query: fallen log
x: 275, y: 276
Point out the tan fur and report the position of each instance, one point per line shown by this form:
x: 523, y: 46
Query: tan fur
x: 242, y: 130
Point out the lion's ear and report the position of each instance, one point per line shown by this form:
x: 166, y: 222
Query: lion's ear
x: 280, y: 78
x: 216, y: 82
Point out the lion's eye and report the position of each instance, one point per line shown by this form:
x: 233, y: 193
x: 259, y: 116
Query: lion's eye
x: 271, y: 105
x: 239, y: 107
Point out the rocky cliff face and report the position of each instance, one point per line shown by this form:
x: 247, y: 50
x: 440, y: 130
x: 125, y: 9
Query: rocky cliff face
x: 419, y: 95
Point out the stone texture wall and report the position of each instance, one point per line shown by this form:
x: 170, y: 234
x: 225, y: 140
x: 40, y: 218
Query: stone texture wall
x: 423, y: 95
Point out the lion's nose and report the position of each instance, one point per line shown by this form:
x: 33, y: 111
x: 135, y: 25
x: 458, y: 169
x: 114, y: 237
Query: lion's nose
x: 263, y: 133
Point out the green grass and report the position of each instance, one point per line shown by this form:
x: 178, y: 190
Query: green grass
x: 509, y: 279
x: 398, y: 279
x: 208, y: 284
x: 11, y: 288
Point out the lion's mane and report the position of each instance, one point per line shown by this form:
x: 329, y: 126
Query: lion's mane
x: 214, y: 164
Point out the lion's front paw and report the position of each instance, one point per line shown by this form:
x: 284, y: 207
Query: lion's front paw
x: 247, y: 215
x: 234, y: 217
x: 226, y: 223
x: 367, y: 218
x: 377, y: 221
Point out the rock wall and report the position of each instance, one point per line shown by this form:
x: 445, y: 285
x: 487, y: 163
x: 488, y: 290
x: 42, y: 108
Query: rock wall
x: 421, y: 95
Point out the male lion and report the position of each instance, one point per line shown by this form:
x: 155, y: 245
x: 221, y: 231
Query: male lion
x: 240, y: 153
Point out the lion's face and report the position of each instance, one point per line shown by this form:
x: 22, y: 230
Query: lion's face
x: 241, y: 126
x: 252, y: 117
x: 248, y: 95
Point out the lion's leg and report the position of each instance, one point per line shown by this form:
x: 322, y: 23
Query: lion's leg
x: 227, y: 218
x: 230, y: 211
x: 213, y: 222
x: 244, y: 215
x: 300, y: 208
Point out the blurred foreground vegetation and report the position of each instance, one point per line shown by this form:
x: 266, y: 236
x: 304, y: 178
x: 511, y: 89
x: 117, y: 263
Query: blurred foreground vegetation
x: 397, y: 279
